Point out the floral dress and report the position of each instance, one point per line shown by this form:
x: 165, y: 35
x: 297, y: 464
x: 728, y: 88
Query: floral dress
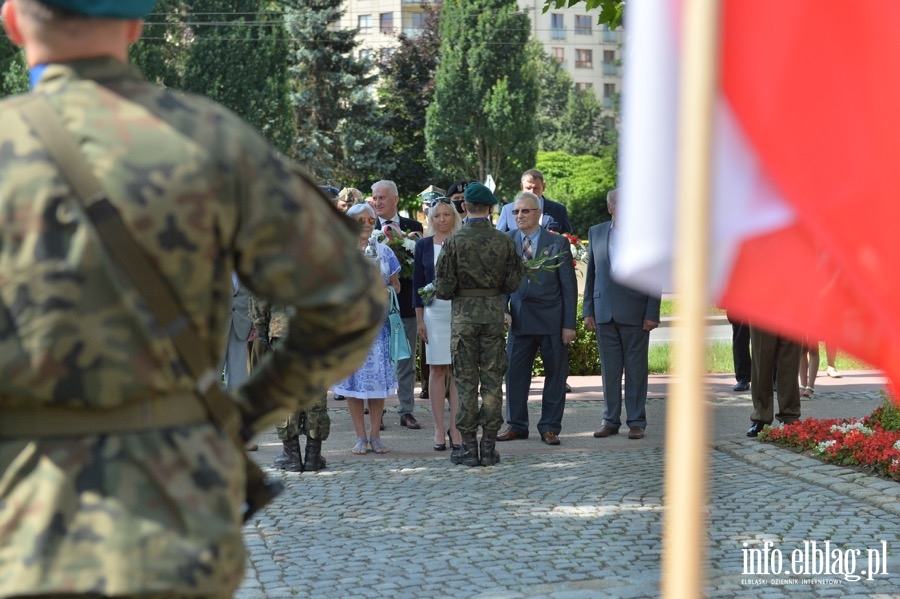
x: 376, y: 378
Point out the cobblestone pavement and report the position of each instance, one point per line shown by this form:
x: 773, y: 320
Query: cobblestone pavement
x: 580, y: 521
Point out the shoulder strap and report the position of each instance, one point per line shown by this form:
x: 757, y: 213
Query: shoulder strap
x: 142, y: 273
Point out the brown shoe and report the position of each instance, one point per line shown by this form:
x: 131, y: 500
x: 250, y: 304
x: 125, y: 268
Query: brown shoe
x: 550, y: 438
x: 605, y: 431
x: 511, y: 435
x: 409, y: 421
x: 251, y: 447
x: 635, y: 432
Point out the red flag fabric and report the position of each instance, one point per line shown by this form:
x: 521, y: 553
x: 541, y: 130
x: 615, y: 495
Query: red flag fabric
x: 817, y: 97
x: 806, y: 192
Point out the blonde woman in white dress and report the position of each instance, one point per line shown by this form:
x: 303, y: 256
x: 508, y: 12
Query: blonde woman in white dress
x: 433, y: 323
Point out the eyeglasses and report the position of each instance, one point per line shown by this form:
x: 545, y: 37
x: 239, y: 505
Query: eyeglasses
x: 525, y: 211
x: 437, y: 201
x: 366, y: 220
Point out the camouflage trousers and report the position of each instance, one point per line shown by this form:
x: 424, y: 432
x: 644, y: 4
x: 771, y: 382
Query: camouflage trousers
x: 314, y: 423
x: 478, y: 353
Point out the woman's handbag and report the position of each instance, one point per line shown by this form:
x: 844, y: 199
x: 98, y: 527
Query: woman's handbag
x: 399, y: 344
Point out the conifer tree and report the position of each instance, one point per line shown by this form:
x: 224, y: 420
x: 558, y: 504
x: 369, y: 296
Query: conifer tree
x: 339, y: 131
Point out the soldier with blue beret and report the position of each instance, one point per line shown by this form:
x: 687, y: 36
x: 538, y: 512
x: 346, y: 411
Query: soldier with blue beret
x: 115, y: 480
x: 477, y: 267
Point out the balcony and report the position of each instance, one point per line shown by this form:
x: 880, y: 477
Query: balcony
x: 611, y: 70
x: 584, y: 64
x: 412, y: 32
x: 558, y: 33
x: 611, y: 37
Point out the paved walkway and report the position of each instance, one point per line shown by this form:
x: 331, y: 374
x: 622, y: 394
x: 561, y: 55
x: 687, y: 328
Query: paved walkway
x: 581, y: 520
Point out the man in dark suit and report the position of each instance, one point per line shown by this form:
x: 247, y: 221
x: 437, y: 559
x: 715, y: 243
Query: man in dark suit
x: 542, y: 316
x: 554, y: 216
x: 623, y: 319
x: 385, y: 200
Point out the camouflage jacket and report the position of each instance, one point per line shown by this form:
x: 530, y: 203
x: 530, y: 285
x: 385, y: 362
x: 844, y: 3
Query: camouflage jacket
x: 204, y: 194
x: 478, y: 257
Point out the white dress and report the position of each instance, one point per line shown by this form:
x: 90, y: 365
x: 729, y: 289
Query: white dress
x: 437, y: 323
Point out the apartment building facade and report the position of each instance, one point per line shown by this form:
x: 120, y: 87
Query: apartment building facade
x: 589, y: 52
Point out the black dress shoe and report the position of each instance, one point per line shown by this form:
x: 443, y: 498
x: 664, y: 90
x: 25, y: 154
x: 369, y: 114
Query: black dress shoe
x: 755, y: 429
x: 409, y: 421
x: 568, y: 388
x: 423, y: 394
x: 742, y: 386
x: 440, y: 447
x: 339, y: 398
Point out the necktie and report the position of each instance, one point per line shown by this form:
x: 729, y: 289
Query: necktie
x: 389, y: 222
x: 526, y: 248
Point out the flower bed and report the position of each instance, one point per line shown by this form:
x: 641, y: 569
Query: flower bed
x: 872, y: 443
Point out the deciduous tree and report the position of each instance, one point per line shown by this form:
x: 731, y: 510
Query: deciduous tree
x: 238, y: 54
x: 405, y: 90
x: 482, y: 120
x: 13, y: 73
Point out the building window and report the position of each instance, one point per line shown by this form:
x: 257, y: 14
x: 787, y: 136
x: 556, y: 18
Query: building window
x: 582, y: 25
x: 609, y: 57
x: 365, y: 24
x: 560, y: 55
x: 385, y: 54
x: 584, y: 86
x: 367, y: 54
x: 557, y: 28
x: 584, y: 59
x: 386, y: 22
x: 609, y: 92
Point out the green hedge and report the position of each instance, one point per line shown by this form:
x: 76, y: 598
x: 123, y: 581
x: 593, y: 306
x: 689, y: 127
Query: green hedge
x: 584, y: 359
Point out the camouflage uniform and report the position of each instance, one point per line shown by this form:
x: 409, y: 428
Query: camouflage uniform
x: 271, y: 322
x: 158, y: 510
x: 478, y: 259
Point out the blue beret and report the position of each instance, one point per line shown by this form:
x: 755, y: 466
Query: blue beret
x: 112, y: 9
x: 476, y: 193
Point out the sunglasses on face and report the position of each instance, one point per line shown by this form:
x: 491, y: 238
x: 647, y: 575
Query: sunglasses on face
x: 525, y: 211
x: 366, y: 220
x: 437, y: 201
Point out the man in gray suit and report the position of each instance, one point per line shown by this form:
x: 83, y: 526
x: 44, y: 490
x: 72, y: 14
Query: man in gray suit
x: 235, y: 363
x: 623, y: 319
x: 542, y: 315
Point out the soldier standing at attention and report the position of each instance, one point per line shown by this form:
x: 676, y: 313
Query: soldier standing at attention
x: 271, y: 324
x: 478, y: 265
x: 121, y: 477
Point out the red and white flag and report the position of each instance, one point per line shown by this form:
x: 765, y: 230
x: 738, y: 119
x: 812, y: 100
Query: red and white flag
x: 806, y: 167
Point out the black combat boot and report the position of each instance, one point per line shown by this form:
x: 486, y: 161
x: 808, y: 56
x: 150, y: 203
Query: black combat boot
x: 489, y: 455
x: 290, y: 460
x: 469, y: 454
x: 456, y: 453
x: 314, y: 459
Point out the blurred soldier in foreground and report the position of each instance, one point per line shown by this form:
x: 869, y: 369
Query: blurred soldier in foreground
x: 115, y: 482
x: 478, y: 265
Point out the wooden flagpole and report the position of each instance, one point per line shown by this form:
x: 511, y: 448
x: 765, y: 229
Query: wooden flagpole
x: 684, y: 532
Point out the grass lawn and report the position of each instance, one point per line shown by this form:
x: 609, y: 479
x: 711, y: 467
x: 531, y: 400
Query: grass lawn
x: 719, y: 359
